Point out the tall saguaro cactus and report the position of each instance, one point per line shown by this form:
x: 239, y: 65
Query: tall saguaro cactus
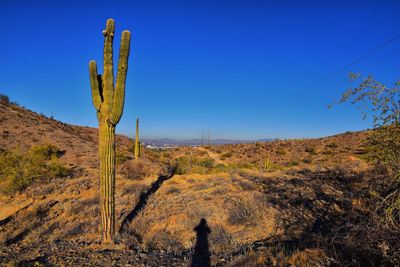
x: 109, y: 103
x: 137, y: 142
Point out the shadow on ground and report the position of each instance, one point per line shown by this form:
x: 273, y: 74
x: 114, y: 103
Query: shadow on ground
x: 201, y: 255
x: 320, y: 210
x: 144, y: 197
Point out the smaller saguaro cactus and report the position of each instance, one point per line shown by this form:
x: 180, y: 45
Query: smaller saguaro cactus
x: 137, y: 142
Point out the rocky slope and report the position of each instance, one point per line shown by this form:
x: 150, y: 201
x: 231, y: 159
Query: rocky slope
x: 255, y: 204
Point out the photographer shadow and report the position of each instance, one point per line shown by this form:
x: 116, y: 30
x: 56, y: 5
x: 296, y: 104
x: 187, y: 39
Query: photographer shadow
x: 201, y: 255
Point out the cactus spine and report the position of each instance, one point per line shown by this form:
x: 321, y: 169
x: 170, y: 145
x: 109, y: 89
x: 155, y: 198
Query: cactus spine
x: 109, y: 103
x: 137, y: 142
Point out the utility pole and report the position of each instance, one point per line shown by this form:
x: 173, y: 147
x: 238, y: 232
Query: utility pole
x: 208, y: 136
x: 202, y: 137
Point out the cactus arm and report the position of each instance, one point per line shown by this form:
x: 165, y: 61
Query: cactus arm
x: 94, y: 84
x: 119, y: 93
x: 108, y: 75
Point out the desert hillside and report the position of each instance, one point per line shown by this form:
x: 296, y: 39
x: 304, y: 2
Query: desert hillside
x: 284, y: 202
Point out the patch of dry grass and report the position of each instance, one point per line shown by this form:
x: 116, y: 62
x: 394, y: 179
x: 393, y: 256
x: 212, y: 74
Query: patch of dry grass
x: 234, y: 216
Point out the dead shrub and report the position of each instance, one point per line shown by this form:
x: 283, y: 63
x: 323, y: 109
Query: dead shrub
x: 246, y: 186
x: 134, y: 190
x: 164, y: 240
x: 173, y: 190
x: 135, y: 170
x: 250, y: 259
x: 308, y: 258
x: 139, y: 169
x: 241, y: 213
x: 220, y: 239
x: 71, y: 230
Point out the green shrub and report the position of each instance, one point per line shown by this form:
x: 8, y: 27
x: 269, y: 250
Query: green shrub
x: 268, y: 165
x: 55, y: 169
x: 45, y: 152
x: 182, y: 165
x: 19, y: 170
x: 247, y: 165
x: 220, y: 168
x: 186, y: 164
x: 382, y: 102
x: 207, y: 163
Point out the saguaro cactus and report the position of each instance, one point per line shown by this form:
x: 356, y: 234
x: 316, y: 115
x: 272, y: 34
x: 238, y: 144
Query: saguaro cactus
x: 137, y: 142
x: 109, y: 104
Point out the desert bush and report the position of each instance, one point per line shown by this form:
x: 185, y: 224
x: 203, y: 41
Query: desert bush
x: 332, y: 145
x: 206, y: 162
x: 56, y: 169
x: 45, y: 152
x: 121, y: 158
x: 246, y: 186
x: 135, y: 170
x: 220, y: 168
x: 310, y: 150
x: 268, y: 165
x: 220, y: 239
x: 19, y: 170
x: 173, y: 190
x: 328, y: 152
x: 241, y: 213
x: 249, y: 259
x: 183, y: 165
x: 139, y: 169
x: 383, y: 145
x: 226, y: 155
x: 4, y: 99
x: 281, y: 151
x: 190, y: 164
x: 162, y: 239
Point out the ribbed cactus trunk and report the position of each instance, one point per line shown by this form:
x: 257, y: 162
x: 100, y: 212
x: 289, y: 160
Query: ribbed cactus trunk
x: 137, y: 142
x: 107, y: 179
x: 109, y: 104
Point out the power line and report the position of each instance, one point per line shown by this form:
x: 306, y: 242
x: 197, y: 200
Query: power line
x: 360, y: 58
x: 355, y: 37
x: 353, y: 62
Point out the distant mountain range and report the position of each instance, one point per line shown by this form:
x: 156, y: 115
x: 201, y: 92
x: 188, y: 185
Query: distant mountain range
x: 198, y: 141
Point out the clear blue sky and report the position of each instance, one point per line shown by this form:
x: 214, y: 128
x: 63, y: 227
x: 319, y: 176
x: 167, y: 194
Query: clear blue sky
x: 243, y: 69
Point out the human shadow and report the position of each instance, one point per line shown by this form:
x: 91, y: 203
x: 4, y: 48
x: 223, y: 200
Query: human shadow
x: 201, y: 255
x: 144, y: 197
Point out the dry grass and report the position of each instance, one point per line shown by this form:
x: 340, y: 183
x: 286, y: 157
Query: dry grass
x: 297, y: 197
x: 217, y: 199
